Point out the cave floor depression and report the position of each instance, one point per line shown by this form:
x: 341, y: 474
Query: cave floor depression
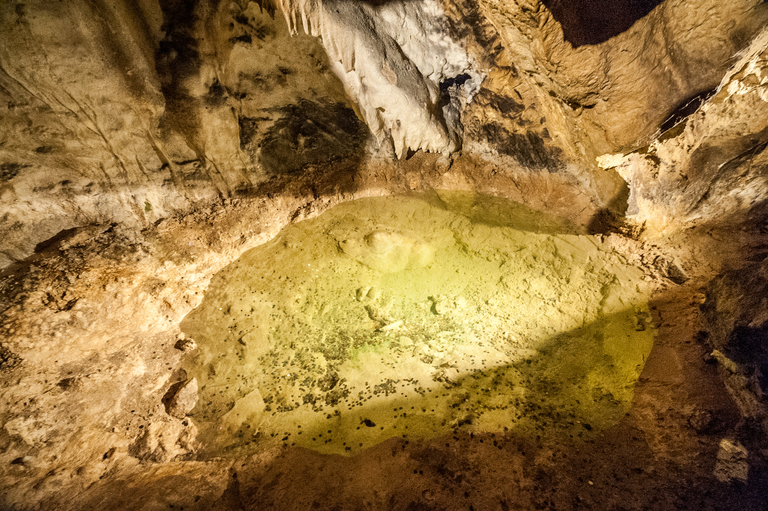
x: 414, y: 317
x: 455, y: 351
x: 439, y: 351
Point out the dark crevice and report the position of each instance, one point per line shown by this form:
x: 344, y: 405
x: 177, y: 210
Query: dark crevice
x: 748, y: 347
x: 55, y: 240
x: 596, y: 21
x: 685, y: 109
x: 446, y: 84
x: 10, y: 170
x: 611, y: 218
x: 305, y: 134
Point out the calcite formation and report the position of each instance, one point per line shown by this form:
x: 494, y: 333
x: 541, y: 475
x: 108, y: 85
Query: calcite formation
x: 146, y: 146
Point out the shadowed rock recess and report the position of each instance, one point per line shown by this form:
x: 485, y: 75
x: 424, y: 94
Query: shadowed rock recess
x: 384, y: 255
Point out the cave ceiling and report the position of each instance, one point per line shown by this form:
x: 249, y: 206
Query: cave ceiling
x: 131, y: 111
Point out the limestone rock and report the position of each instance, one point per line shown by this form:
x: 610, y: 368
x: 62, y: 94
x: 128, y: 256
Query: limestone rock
x: 161, y: 441
x: 185, y: 345
x: 392, y: 59
x: 131, y: 136
x: 712, y: 163
x: 732, y: 462
x: 250, y: 405
x: 441, y: 305
x: 209, y: 99
x: 146, y: 145
x: 184, y: 400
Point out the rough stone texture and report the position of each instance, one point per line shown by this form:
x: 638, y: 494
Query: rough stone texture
x: 111, y: 355
x: 124, y: 112
x: 128, y: 112
x: 735, y: 316
x: 732, y: 462
x: 392, y: 58
x: 711, y: 164
x: 146, y: 145
x: 184, y: 399
x: 185, y: 345
x: 558, y: 106
x: 620, y: 90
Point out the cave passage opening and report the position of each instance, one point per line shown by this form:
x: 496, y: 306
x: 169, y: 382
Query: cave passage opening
x: 413, y: 317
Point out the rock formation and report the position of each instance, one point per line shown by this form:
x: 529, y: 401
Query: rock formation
x: 145, y: 145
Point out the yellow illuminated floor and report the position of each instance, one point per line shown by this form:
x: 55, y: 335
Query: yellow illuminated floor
x: 413, y: 317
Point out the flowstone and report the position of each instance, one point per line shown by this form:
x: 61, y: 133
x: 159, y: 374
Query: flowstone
x: 414, y: 317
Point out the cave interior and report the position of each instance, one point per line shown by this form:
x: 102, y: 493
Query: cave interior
x: 384, y: 254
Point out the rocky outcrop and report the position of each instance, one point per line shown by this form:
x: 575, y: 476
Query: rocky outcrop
x: 549, y: 103
x: 712, y: 164
x: 611, y: 94
x: 735, y: 318
x: 183, y: 400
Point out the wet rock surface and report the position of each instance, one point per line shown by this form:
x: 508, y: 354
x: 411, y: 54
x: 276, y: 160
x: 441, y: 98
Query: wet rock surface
x: 144, y: 147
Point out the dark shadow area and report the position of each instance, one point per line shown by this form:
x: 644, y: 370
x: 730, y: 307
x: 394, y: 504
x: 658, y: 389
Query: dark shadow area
x: 309, y: 133
x: 733, y: 315
x: 54, y: 241
x: 529, y: 148
x: 372, y: 3
x: 177, y: 59
x: 498, y: 212
x: 748, y: 347
x: 446, y: 84
x: 596, y: 21
x: 10, y: 170
x: 757, y: 220
x: 8, y: 359
x: 611, y: 217
x: 530, y: 144
x: 682, y: 111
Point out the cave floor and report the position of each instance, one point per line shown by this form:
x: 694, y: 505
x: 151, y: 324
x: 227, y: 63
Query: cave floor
x: 660, y: 454
x: 415, y: 317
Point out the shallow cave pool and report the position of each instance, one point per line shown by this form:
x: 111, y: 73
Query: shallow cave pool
x: 415, y: 317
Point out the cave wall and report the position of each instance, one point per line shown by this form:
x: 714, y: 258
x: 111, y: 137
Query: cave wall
x: 711, y: 166
x: 146, y: 145
x: 127, y: 112
x: 735, y: 322
x: 620, y: 91
x: 131, y: 111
